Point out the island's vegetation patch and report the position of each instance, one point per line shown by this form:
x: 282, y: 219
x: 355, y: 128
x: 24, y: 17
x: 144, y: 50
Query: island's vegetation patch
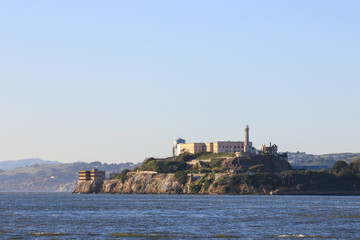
x: 123, y: 175
x: 205, y: 155
x: 162, y: 166
x: 181, y: 177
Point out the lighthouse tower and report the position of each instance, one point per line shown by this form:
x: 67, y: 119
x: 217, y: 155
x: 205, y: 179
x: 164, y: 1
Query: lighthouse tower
x: 246, y: 142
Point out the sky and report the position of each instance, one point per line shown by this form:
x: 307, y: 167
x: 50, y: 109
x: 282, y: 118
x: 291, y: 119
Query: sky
x: 118, y: 81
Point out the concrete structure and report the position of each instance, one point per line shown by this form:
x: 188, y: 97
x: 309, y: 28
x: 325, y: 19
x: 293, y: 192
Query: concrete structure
x: 215, y: 147
x: 93, y: 175
x: 272, y: 149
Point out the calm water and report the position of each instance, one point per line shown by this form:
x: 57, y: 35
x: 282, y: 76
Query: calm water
x: 73, y: 216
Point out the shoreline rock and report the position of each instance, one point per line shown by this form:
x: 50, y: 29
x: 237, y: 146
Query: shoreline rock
x: 201, y: 184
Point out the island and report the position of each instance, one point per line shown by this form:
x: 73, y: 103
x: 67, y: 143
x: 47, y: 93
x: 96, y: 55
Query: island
x: 209, y: 173
x: 224, y: 167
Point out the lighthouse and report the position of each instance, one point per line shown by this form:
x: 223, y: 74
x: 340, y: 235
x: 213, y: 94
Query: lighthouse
x: 246, y: 143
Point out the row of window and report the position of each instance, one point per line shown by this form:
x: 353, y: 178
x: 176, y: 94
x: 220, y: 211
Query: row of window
x: 232, y: 146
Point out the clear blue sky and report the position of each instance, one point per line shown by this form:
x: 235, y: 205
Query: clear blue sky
x: 117, y: 81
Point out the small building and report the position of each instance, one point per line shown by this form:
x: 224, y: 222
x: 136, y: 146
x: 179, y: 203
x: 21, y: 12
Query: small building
x: 272, y: 149
x: 93, y: 175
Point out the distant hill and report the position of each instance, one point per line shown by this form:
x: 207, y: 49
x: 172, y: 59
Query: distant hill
x: 6, y: 165
x: 326, y: 160
x: 51, y: 177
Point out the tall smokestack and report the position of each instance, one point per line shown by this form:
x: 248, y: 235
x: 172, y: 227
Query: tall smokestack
x: 246, y: 143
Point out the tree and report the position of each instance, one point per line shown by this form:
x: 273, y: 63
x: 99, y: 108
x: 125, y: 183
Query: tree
x: 354, y: 167
x: 123, y: 175
x: 339, y: 167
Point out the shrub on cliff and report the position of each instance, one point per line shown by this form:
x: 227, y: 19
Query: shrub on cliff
x: 164, y: 166
x: 207, y: 184
x: 258, y: 168
x: 181, y: 177
x: 339, y: 167
x: 123, y: 175
x: 185, y: 157
x: 195, y: 187
x: 216, y: 162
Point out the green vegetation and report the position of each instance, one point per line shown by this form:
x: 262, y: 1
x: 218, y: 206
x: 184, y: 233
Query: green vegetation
x: 339, y: 168
x: 181, y: 177
x: 258, y: 168
x: 180, y: 163
x: 202, y: 156
x: 195, y: 187
x: 232, y: 177
x: 343, y: 177
x: 215, y: 164
x: 162, y: 166
x: 123, y: 175
x: 185, y: 157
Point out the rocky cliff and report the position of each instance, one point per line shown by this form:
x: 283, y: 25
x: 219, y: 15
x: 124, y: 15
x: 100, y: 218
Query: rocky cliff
x: 144, y: 183
x: 135, y: 183
x: 286, y: 183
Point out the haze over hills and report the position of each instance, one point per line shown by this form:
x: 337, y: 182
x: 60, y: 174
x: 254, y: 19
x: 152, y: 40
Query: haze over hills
x: 51, y: 177
x: 326, y: 160
x: 6, y: 165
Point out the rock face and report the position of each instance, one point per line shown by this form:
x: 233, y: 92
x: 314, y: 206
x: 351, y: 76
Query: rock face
x: 141, y: 183
x: 144, y: 183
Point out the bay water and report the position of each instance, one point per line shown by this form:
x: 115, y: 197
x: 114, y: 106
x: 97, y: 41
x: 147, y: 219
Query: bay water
x: 106, y: 216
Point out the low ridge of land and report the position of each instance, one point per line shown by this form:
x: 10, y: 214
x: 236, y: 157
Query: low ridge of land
x: 51, y: 177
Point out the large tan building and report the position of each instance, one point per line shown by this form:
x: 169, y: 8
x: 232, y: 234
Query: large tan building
x: 93, y: 175
x: 215, y: 147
